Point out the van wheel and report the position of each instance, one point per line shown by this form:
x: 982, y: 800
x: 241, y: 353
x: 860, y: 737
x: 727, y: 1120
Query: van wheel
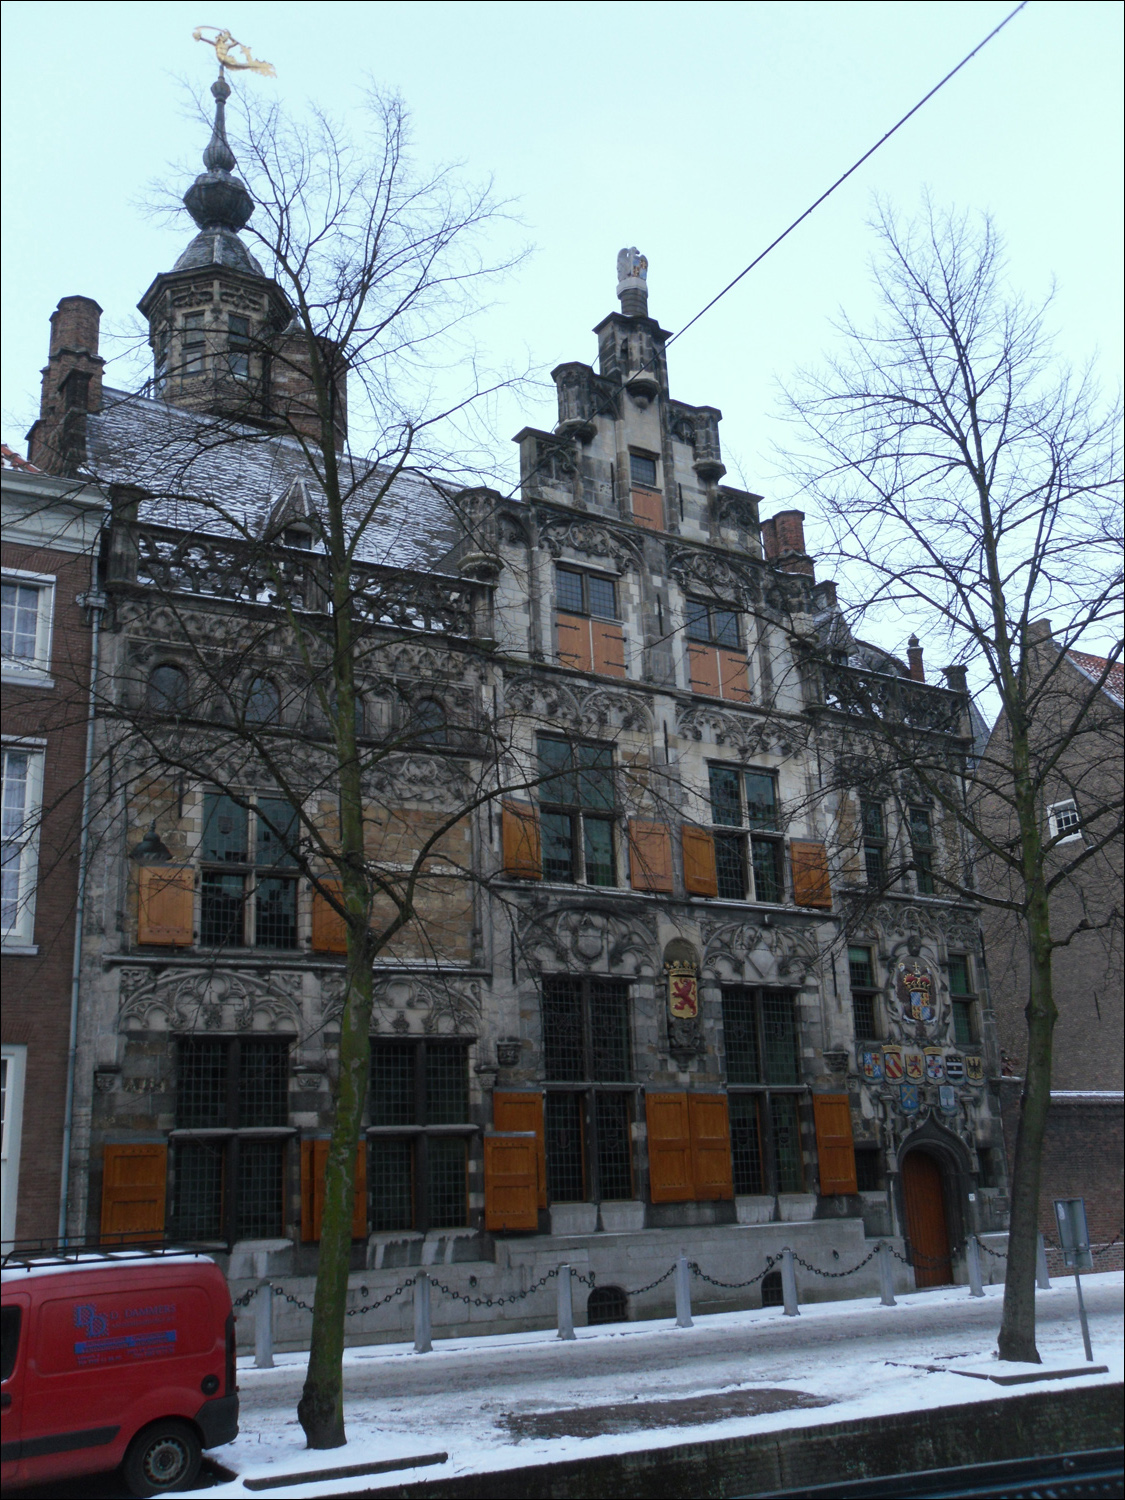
x: 164, y: 1456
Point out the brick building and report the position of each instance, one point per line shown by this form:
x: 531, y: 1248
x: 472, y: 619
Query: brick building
x: 1081, y: 805
x: 50, y: 534
x: 682, y: 983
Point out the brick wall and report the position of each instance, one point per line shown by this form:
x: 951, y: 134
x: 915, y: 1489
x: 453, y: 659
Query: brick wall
x: 1082, y: 1158
x: 36, y: 1010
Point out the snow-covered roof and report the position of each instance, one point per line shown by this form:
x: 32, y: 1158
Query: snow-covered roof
x: 210, y: 475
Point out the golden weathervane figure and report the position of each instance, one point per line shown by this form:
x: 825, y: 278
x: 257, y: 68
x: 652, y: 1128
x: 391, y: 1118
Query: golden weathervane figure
x: 224, y: 45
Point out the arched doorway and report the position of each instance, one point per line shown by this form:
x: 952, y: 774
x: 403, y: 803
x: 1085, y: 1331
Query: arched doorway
x: 923, y: 1199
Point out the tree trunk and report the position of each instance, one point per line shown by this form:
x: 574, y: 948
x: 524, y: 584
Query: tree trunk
x: 1017, y: 1328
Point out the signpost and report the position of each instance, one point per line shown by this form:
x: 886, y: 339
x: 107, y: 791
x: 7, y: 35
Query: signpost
x: 1074, y: 1237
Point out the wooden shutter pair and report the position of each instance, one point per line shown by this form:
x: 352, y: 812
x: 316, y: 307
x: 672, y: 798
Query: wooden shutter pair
x: 811, y: 885
x: 134, y: 1185
x: 515, y: 1163
x: 689, y: 1158
x: 719, y: 673
x: 591, y: 645
x: 314, y: 1159
x: 650, y: 856
x: 166, y: 905
x: 835, y: 1147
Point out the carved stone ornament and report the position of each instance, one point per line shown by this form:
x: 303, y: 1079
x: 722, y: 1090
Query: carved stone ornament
x: 418, y: 777
x: 685, y: 1039
x: 589, y: 711
x: 736, y: 511
x: 583, y: 939
x: 208, y: 1000
x: 566, y: 533
x: 747, y: 733
x: 508, y: 1052
x: 746, y: 952
x: 698, y: 571
x: 429, y: 1004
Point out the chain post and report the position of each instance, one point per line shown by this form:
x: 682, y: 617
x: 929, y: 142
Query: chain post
x: 886, y: 1276
x: 566, y: 1305
x: 789, y: 1284
x: 263, y: 1314
x: 972, y: 1257
x: 423, y: 1328
x: 1042, y: 1276
x: 683, y: 1293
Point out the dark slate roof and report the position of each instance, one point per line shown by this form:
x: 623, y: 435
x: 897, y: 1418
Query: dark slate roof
x: 206, y: 474
x: 218, y: 247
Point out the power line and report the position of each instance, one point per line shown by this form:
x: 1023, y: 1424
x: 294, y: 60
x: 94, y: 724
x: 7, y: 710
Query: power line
x: 853, y: 168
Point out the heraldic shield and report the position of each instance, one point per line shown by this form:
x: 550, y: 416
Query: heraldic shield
x: 974, y: 1068
x: 892, y: 1064
x: 908, y: 1098
x: 871, y: 1064
x: 683, y: 991
x: 914, y: 986
x: 914, y: 1066
x: 935, y: 1065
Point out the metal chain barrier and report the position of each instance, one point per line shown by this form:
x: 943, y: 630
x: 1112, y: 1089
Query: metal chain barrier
x: 836, y: 1275
x: 471, y: 1301
x: 642, y: 1289
x: 697, y: 1270
x: 988, y: 1250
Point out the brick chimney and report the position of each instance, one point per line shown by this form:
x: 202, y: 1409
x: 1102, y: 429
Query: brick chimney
x: 914, y: 659
x: 72, y: 387
x: 292, y: 392
x: 783, y: 542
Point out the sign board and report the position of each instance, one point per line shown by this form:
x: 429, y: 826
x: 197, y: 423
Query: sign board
x: 1074, y: 1237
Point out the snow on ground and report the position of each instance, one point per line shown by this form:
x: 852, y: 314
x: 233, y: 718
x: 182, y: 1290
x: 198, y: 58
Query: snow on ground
x: 865, y: 1360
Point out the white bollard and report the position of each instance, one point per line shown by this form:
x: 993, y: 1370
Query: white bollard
x: 423, y: 1331
x: 886, y: 1276
x: 972, y: 1256
x: 566, y: 1305
x: 263, y: 1327
x: 683, y: 1293
x: 789, y: 1284
x: 1042, y: 1277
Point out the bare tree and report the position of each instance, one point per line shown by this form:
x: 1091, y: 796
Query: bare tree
x: 262, y: 569
x: 970, y: 482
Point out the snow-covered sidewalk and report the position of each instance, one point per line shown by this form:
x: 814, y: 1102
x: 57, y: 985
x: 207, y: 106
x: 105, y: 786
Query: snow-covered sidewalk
x: 512, y: 1400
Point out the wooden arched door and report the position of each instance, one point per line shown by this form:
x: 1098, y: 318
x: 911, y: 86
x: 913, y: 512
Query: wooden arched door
x: 926, y: 1226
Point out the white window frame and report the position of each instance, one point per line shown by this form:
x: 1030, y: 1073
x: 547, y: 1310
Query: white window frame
x: 1057, y: 827
x: 14, y: 1058
x: 36, y: 673
x: 20, y: 937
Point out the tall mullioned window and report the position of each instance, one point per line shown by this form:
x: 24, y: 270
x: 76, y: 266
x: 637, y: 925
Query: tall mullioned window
x: 922, y: 846
x: 963, y: 998
x: 861, y: 978
x: 576, y: 812
x: 419, y: 1134
x: 248, y: 881
x: 232, y: 1097
x: 588, y: 1128
x: 749, y: 865
x: 763, y: 1089
x: 874, y: 843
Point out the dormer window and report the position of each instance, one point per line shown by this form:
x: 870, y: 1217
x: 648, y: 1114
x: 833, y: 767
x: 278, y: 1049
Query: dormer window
x: 297, y: 536
x: 193, y: 343
x: 238, y: 344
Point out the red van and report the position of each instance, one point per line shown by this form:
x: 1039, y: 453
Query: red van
x: 115, y: 1358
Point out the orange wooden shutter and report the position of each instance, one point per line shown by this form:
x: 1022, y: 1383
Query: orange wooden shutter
x: 511, y: 1181
x: 703, y: 670
x: 669, y: 1148
x: 650, y: 856
x: 166, y: 905
x: 810, y: 874
x: 609, y: 648
x: 700, y: 878
x: 711, y: 1167
x: 574, y: 642
x: 314, y: 1160
x: 134, y: 1183
x: 734, y: 676
x: 523, y: 852
x: 329, y: 930
x: 648, y: 509
x: 835, y: 1148
x: 522, y: 1112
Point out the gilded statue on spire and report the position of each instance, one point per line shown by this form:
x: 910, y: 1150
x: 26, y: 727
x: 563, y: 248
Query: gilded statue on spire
x: 225, y: 45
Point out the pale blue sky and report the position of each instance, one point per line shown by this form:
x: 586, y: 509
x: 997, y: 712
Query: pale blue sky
x: 694, y: 131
